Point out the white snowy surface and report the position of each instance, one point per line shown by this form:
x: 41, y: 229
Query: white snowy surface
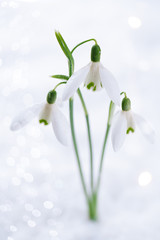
x: 40, y: 191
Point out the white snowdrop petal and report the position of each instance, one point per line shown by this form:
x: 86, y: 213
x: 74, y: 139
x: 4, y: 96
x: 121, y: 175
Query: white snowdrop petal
x: 46, y: 112
x: 110, y: 84
x: 74, y: 82
x: 145, y: 127
x: 119, y: 131
x: 25, y: 117
x: 93, y: 81
x: 130, y: 120
x: 60, y: 126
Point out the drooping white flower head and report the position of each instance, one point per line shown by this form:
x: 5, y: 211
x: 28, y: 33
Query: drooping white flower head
x: 125, y: 122
x: 95, y: 77
x: 48, y: 112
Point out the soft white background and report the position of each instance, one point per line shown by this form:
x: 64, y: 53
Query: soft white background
x: 40, y: 192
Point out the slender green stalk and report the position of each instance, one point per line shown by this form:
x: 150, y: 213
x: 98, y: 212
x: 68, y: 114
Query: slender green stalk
x: 92, y: 39
x: 102, y: 157
x: 59, y: 84
x: 76, y: 148
x: 110, y: 115
x: 89, y: 139
x: 68, y: 54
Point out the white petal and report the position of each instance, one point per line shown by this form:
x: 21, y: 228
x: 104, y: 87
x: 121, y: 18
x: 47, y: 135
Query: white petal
x: 93, y: 77
x: 60, y: 126
x: 74, y: 82
x: 25, y: 117
x: 46, y: 113
x: 130, y: 120
x: 110, y: 84
x: 119, y: 131
x: 145, y: 127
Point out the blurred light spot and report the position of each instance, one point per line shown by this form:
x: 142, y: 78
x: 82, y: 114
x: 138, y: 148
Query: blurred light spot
x: 15, y: 46
x: 57, y: 212
x: 1, y: 62
x: 16, y: 181
x: 33, y: 131
x: 53, y: 233
x: 28, y: 99
x: 36, y: 213
x: 31, y: 223
x: 24, y: 161
x: 6, y: 91
x: 5, y: 208
x: 48, y: 204
x: 144, y: 65
x: 28, y: 207
x: 144, y: 178
x: 7, y: 121
x: 25, y: 50
x: 14, y: 151
x: 35, y: 153
x: 27, y: 0
x: 21, y: 140
x: 45, y: 166
x: 19, y: 81
x: 10, y: 238
x: 4, y: 4
x: 20, y: 172
x: 134, y: 22
x: 10, y: 161
x: 13, y: 228
x: 25, y: 218
x: 36, y: 13
x: 28, y: 177
x: 13, y: 4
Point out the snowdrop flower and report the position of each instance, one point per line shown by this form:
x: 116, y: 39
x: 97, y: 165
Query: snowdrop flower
x: 95, y: 77
x: 48, y: 112
x: 126, y: 122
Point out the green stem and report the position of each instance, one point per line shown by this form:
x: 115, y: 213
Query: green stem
x: 71, y: 70
x: 59, y: 84
x: 110, y: 115
x: 92, y: 39
x: 76, y: 148
x: 89, y: 138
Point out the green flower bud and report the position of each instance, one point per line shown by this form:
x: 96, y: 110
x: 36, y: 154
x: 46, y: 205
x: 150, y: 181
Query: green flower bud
x: 51, y: 97
x: 126, y: 104
x: 95, y: 53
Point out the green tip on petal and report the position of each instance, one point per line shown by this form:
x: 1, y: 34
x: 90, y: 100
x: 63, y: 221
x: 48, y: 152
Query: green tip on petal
x: 51, y: 97
x: 43, y: 121
x: 91, y: 84
x: 95, y: 53
x: 130, y: 129
x: 126, y: 104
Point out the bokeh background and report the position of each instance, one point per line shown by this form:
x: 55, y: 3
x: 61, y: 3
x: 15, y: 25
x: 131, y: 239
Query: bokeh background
x: 40, y: 191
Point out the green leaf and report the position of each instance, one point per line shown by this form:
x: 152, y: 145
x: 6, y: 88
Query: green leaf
x: 64, y: 46
x: 64, y: 77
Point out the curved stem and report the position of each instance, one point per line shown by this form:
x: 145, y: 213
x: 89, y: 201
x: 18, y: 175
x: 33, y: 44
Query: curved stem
x: 110, y: 115
x: 76, y: 148
x: 59, y: 84
x: 92, y: 39
x: 89, y: 138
